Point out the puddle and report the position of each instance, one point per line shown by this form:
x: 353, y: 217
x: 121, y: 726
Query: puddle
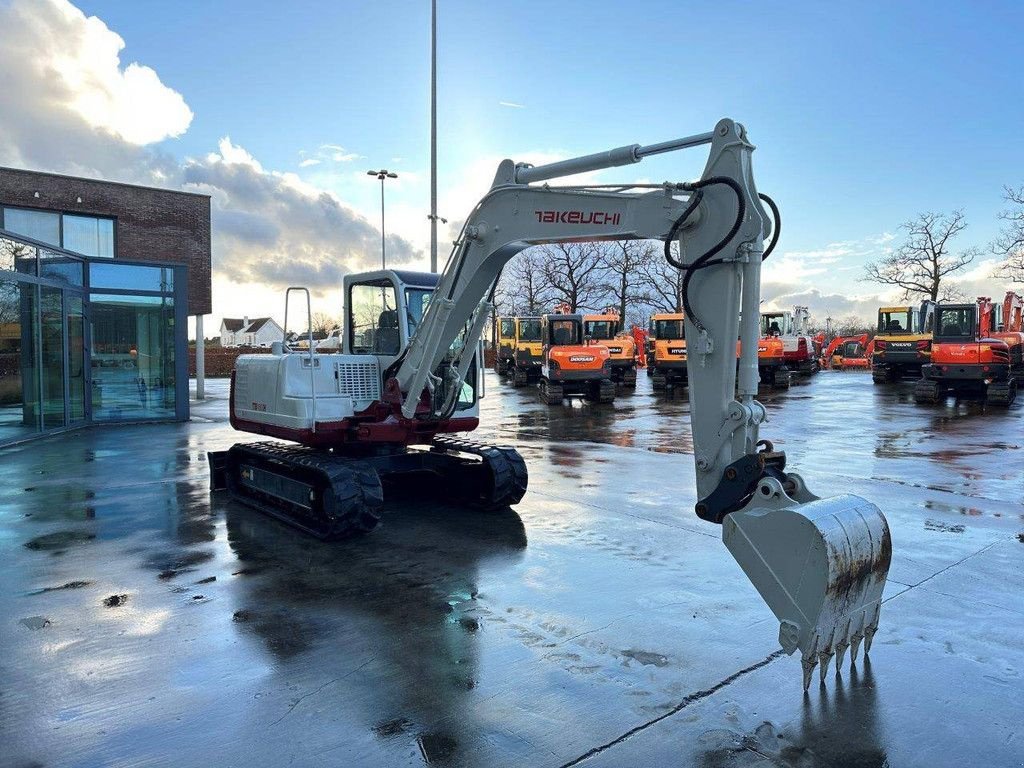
x: 646, y: 658
x: 938, y: 525
x: 115, y: 601
x: 61, y: 540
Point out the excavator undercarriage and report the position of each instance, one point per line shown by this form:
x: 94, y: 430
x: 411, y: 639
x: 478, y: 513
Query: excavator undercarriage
x: 332, y: 496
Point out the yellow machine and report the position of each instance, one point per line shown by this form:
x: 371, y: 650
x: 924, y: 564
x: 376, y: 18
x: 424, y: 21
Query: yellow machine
x: 666, y: 354
x: 903, y: 343
x: 520, y: 351
x: 606, y: 329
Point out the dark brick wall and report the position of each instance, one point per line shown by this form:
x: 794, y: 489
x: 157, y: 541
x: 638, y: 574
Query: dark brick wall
x: 152, y: 224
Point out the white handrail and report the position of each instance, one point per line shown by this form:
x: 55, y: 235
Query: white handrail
x: 309, y: 318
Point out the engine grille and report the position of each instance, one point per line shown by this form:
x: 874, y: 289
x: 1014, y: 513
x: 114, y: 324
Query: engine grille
x: 360, y: 381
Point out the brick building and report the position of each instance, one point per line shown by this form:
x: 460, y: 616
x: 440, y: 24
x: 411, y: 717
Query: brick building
x: 97, y: 280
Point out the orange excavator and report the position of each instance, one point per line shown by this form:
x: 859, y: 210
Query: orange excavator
x: 606, y: 329
x: 848, y: 352
x: 1010, y: 328
x: 971, y: 356
x: 771, y: 362
x: 572, y: 366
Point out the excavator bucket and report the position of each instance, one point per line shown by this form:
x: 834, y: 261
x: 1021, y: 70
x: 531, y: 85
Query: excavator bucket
x: 821, y: 567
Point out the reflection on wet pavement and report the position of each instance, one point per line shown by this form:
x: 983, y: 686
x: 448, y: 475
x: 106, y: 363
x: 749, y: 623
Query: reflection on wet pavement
x: 600, y: 623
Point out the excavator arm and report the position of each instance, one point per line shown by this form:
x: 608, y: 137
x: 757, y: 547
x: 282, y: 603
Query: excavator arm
x: 820, y: 564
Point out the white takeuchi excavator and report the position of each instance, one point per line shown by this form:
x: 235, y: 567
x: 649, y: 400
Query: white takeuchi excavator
x: 409, y: 374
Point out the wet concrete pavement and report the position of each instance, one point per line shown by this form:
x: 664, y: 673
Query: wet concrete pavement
x: 143, y: 622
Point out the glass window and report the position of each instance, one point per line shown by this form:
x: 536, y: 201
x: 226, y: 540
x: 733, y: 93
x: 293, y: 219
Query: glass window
x: 17, y: 256
x: 131, y: 277
x: 89, y: 235
x: 776, y: 324
x: 672, y: 330
x: 894, y: 322
x: 416, y: 301
x: 529, y: 330
x: 19, y: 366
x: 132, y: 357
x: 956, y: 322
x: 373, y: 319
x: 600, y: 329
x: 52, y: 361
x: 565, y: 332
x: 39, y: 225
x: 57, y: 266
x: 507, y: 328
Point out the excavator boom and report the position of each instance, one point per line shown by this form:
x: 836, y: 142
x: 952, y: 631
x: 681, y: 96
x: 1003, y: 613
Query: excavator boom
x: 820, y: 564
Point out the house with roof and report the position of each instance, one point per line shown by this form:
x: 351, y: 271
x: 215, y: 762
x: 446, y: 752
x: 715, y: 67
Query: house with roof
x: 258, y: 332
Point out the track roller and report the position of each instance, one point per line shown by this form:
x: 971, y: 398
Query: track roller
x: 551, y: 393
x: 519, y: 377
x: 498, y: 481
x: 782, y: 378
x: 1001, y: 393
x: 330, y: 497
x: 927, y: 392
x: 602, y: 391
x: 660, y: 381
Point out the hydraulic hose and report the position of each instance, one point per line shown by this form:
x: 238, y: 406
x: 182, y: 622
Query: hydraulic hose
x: 776, y: 225
x: 705, y: 259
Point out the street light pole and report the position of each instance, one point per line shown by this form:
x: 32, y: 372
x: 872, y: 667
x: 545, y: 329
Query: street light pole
x: 433, y: 136
x: 382, y: 174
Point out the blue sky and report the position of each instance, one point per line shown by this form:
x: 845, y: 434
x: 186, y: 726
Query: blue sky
x: 864, y: 114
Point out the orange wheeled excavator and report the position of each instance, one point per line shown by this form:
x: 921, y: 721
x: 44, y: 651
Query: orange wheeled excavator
x: 409, y: 376
x: 970, y: 356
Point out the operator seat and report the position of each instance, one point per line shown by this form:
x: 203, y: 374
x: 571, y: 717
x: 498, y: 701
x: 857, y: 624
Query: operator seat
x: 562, y: 336
x: 387, y: 340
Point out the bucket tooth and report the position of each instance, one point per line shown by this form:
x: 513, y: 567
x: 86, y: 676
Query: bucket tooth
x: 841, y: 647
x: 809, y: 663
x: 855, y: 647
x: 824, y: 657
x: 869, y: 635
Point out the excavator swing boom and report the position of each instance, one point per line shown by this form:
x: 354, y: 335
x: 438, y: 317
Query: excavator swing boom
x: 820, y: 564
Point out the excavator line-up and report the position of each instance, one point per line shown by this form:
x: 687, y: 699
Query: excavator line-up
x: 409, y: 374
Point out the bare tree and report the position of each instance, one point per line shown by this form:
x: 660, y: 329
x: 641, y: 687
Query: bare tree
x: 925, y: 258
x: 526, y: 289
x: 663, y: 282
x: 1010, y: 243
x: 324, y: 323
x: 624, y: 282
x: 573, y: 274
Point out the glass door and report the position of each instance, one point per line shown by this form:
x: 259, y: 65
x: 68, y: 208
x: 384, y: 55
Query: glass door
x: 77, y: 369
x: 52, y: 373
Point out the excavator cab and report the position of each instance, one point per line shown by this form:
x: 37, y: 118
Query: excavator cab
x: 903, y: 341
x: 968, y: 358
x: 572, y: 365
x: 667, y: 361
x: 606, y: 329
x: 504, y: 344
x: 527, y: 350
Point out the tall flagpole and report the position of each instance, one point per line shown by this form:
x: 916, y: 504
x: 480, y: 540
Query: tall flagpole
x: 433, y: 135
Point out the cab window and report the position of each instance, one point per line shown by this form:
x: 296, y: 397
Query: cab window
x: 529, y: 330
x: 600, y: 329
x: 373, y: 319
x: 416, y: 301
x: 507, y: 329
x: 956, y: 322
x: 894, y: 322
x: 672, y: 330
x: 563, y: 332
x: 774, y: 325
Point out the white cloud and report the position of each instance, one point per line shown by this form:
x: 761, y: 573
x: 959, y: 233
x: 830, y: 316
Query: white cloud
x: 309, y: 161
x: 511, y: 104
x: 78, y: 60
